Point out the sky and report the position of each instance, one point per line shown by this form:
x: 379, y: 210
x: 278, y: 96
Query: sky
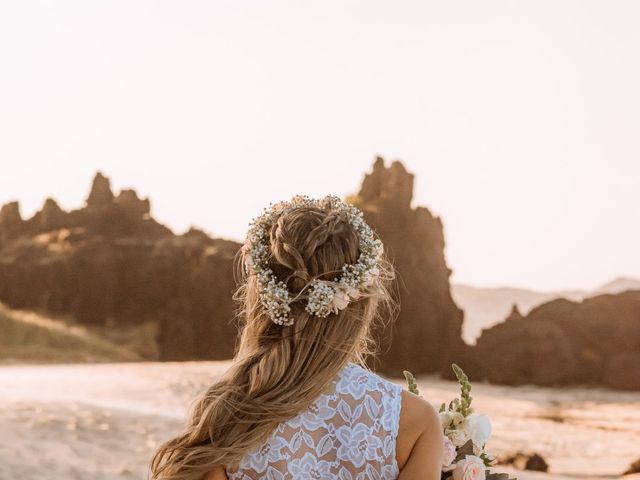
x: 520, y: 119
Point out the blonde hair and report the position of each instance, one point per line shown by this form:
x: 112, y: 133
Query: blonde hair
x: 279, y: 370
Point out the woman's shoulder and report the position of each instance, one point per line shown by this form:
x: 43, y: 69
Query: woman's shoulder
x: 417, y: 413
x: 418, y: 420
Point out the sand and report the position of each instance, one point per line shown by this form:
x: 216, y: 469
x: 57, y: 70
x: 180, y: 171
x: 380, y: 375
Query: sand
x: 103, y: 421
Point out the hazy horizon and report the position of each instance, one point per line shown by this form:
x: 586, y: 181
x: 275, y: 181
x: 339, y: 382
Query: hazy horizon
x: 520, y: 120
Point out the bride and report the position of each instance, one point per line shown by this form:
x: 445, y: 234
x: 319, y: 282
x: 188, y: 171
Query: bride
x: 298, y: 401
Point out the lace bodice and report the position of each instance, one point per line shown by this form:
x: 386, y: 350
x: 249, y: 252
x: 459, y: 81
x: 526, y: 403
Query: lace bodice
x: 348, y: 433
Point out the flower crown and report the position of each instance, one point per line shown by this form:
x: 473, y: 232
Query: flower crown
x: 323, y: 297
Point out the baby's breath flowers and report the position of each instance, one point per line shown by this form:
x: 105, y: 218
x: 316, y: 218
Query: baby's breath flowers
x: 323, y: 297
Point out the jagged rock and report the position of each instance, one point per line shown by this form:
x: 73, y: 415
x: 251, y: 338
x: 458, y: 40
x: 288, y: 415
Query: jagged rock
x: 131, y: 205
x: 11, y: 223
x: 515, y: 312
x: 50, y: 217
x: 427, y: 334
x: 392, y: 187
x: 10, y: 216
x: 100, y: 194
x: 596, y: 341
x: 110, y: 264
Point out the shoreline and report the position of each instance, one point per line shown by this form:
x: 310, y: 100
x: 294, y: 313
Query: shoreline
x: 103, y: 420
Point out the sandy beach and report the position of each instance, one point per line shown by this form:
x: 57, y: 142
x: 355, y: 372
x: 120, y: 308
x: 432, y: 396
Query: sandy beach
x: 103, y: 421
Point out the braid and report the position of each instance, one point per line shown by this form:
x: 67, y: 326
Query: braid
x: 298, y: 258
x: 331, y: 225
x: 286, y: 254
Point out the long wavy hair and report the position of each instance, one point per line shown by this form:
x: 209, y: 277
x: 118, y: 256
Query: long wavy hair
x: 279, y: 370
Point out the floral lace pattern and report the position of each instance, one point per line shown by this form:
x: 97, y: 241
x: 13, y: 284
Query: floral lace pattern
x: 348, y: 433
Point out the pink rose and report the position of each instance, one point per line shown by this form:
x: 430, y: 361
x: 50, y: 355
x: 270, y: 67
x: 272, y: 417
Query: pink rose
x: 449, y: 454
x: 340, y: 301
x: 470, y: 468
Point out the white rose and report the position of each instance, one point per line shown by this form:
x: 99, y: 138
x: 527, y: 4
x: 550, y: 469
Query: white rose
x: 450, y: 419
x: 457, y: 418
x: 470, y: 468
x: 459, y: 436
x: 445, y: 419
x: 479, y: 428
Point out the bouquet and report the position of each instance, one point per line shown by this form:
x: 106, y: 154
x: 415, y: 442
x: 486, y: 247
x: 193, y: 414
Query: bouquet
x: 465, y: 435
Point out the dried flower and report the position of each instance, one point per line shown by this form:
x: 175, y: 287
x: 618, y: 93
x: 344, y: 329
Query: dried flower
x: 323, y: 297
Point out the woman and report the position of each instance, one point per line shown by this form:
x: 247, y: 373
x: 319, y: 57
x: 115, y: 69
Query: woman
x: 298, y: 402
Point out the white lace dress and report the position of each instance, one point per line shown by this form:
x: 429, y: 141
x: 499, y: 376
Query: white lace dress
x: 348, y: 433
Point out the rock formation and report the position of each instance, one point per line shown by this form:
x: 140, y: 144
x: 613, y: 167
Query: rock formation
x: 11, y: 223
x: 427, y: 334
x: 111, y: 265
x: 633, y: 468
x: 596, y: 341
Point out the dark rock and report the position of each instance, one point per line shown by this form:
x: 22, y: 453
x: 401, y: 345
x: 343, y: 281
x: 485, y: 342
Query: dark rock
x: 111, y: 265
x: 517, y: 352
x: 622, y: 371
x: 427, y: 334
x: 526, y: 461
x: 11, y: 222
x: 633, y: 468
x: 50, y: 217
x: 131, y: 205
x: 596, y: 341
x: 100, y: 194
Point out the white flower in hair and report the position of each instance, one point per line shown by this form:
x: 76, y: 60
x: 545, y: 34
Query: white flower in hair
x: 323, y: 297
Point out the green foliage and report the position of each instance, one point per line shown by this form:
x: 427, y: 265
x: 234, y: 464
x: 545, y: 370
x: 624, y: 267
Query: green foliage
x: 463, y: 405
x: 488, y: 461
x: 411, y: 382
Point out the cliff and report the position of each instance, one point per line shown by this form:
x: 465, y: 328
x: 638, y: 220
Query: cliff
x: 596, y: 341
x: 427, y: 334
x: 111, y: 266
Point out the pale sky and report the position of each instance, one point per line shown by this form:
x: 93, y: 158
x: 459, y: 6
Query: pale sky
x: 520, y: 119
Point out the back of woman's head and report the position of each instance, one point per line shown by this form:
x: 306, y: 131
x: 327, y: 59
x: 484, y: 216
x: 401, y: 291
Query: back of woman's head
x: 282, y: 366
